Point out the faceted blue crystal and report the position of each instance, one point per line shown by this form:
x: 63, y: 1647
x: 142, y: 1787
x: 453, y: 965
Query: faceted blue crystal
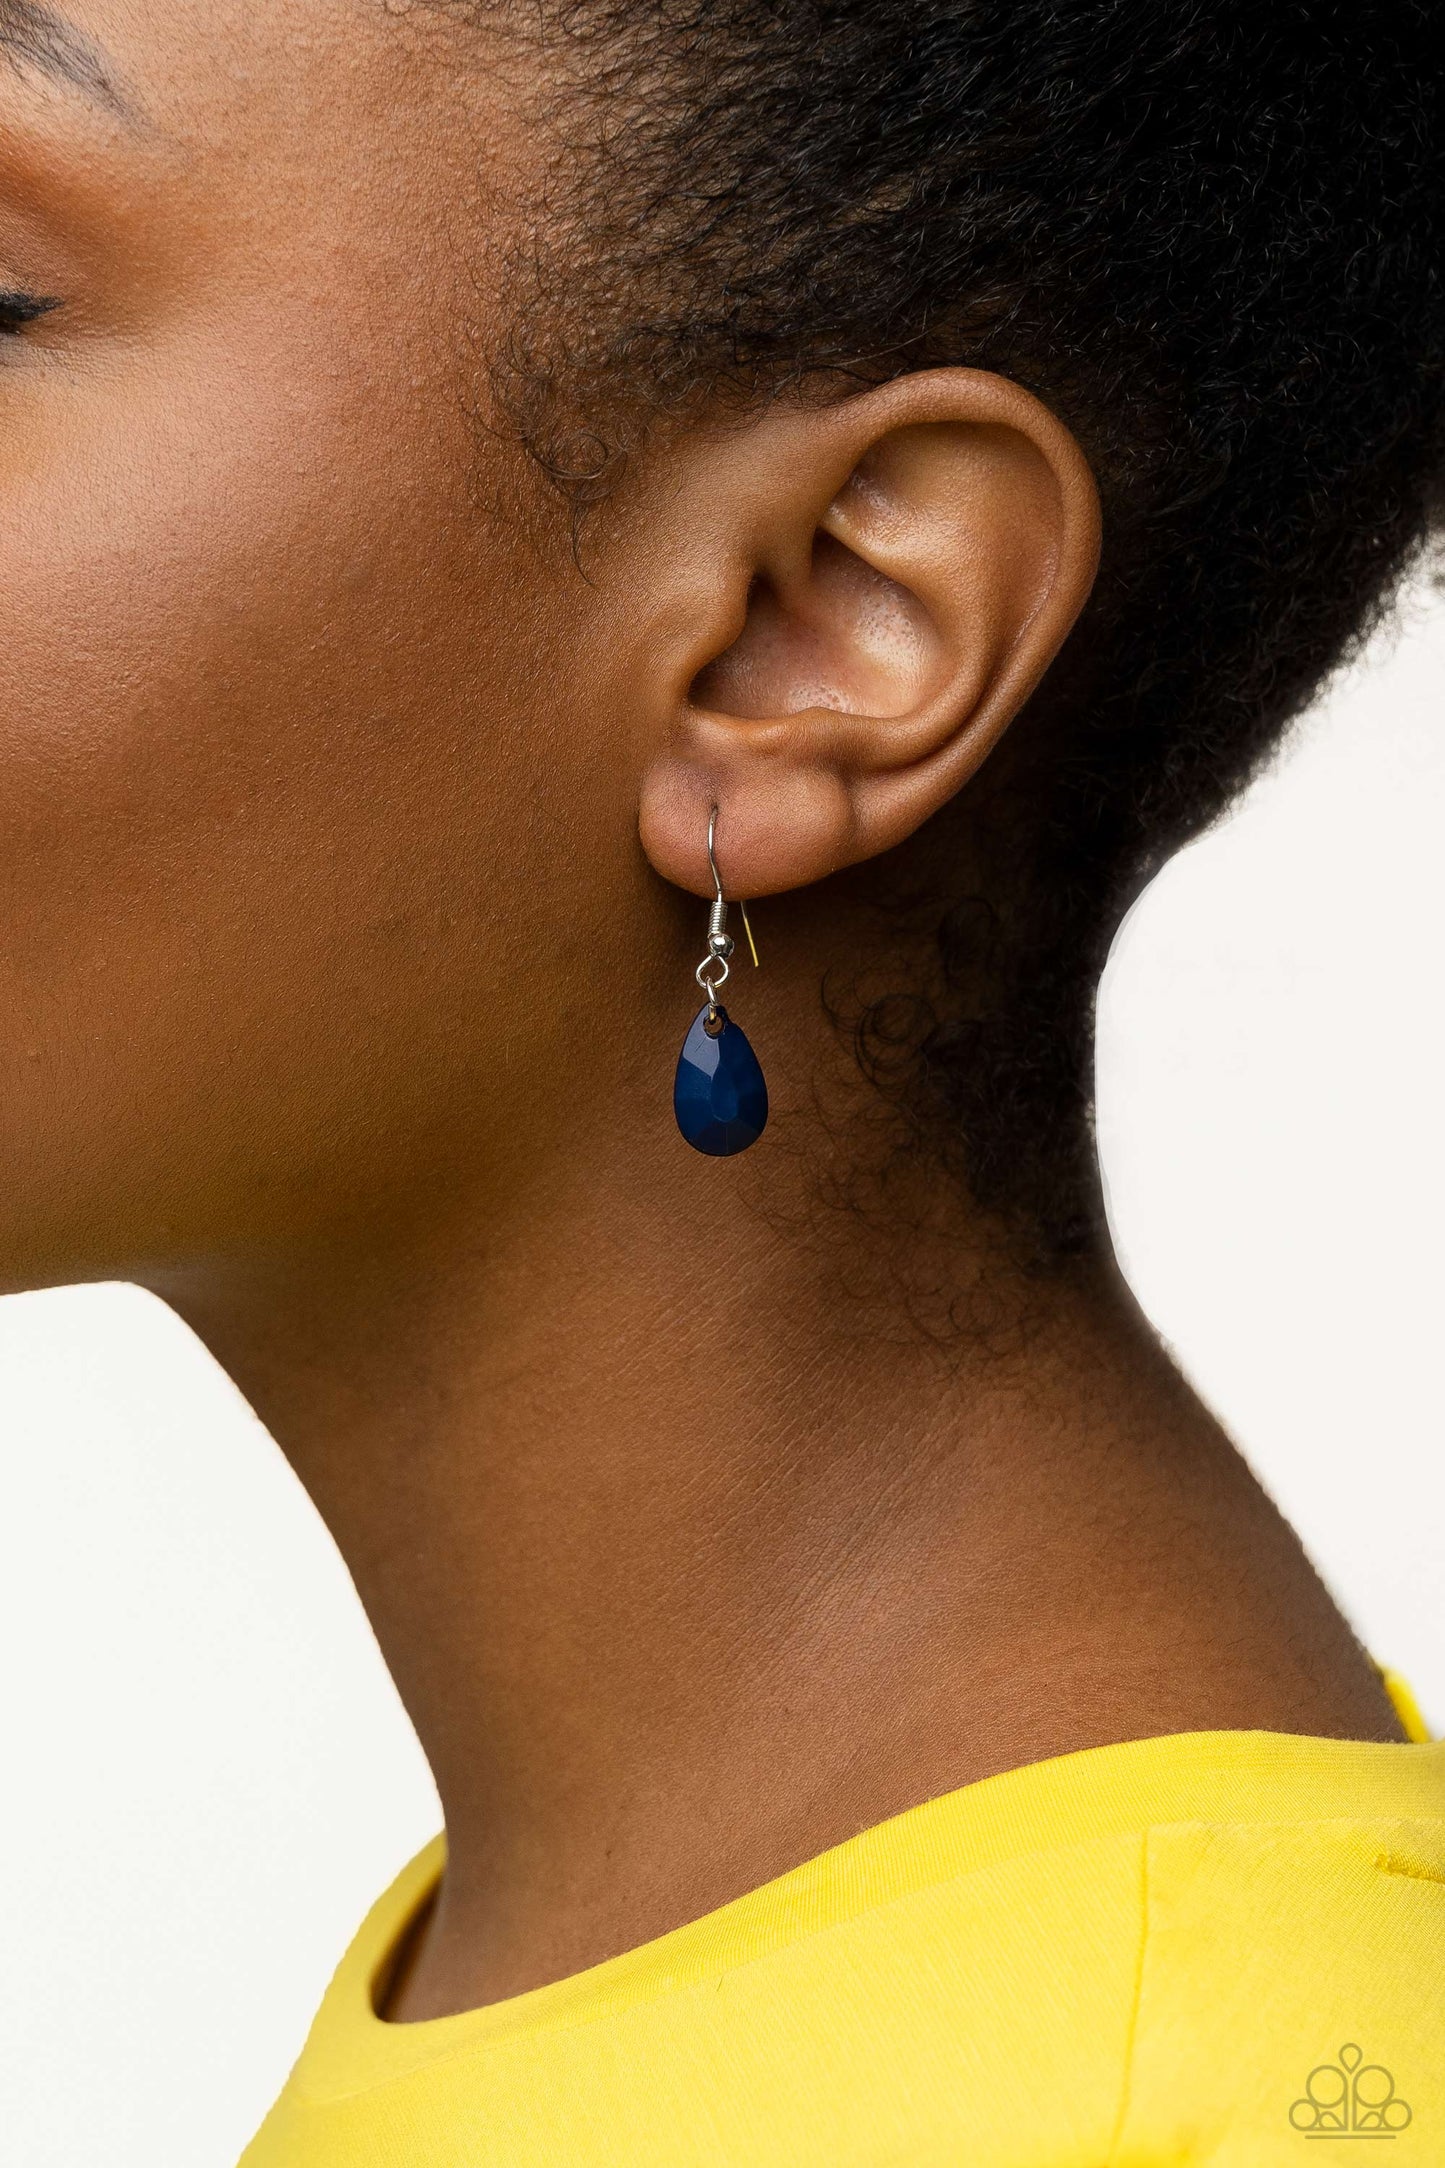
x: 719, y: 1098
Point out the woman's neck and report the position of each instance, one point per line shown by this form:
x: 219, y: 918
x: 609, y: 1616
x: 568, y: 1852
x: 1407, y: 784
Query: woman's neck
x: 691, y: 1559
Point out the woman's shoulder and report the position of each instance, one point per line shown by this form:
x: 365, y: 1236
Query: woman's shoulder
x: 1172, y: 1950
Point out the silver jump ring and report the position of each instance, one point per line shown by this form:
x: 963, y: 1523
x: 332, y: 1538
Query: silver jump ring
x: 711, y: 973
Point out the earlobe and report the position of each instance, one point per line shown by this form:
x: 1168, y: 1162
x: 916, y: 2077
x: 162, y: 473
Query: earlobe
x: 915, y: 558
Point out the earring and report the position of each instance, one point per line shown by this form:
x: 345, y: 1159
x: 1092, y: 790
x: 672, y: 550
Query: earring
x: 719, y: 1096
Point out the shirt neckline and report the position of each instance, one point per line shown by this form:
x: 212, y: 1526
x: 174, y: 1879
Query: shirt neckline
x: 1222, y: 1776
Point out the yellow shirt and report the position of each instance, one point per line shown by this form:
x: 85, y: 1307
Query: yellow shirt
x: 1212, y: 1948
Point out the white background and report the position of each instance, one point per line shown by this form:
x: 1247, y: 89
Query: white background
x: 207, y: 1776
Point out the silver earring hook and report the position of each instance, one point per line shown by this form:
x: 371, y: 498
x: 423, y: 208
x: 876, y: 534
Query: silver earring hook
x: 717, y: 917
x: 711, y: 834
x: 714, y: 968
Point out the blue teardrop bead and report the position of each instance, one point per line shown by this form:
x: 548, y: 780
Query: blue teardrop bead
x: 719, y: 1098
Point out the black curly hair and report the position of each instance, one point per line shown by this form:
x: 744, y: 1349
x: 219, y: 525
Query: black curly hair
x: 1206, y: 232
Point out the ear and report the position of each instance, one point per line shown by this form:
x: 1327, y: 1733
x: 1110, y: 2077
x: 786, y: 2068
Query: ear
x: 867, y: 594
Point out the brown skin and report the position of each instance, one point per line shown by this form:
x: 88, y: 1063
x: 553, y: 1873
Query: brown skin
x: 340, y: 1003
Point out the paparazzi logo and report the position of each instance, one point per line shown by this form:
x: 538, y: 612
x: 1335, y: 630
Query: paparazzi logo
x: 1350, y: 2099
